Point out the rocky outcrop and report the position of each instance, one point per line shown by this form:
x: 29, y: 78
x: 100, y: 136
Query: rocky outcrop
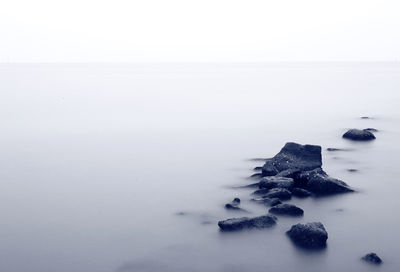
x: 286, y: 209
x: 235, y: 224
x: 320, y: 183
x: 359, y: 135
x: 310, y: 235
x: 293, y: 156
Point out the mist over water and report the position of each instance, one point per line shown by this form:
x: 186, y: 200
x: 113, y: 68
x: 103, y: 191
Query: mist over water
x: 124, y: 167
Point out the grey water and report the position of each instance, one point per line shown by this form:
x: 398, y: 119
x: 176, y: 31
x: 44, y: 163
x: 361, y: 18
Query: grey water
x: 127, y: 167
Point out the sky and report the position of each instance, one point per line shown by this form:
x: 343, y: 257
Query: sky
x: 205, y: 31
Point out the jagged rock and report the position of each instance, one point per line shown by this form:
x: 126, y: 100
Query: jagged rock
x: 258, y: 168
x: 359, y: 135
x: 318, y: 182
x: 261, y: 192
x: 267, y: 201
x: 234, y: 224
x: 372, y: 258
x: 276, y: 182
x: 299, y: 192
x: 286, y: 209
x: 293, y: 157
x: 281, y: 193
x: 310, y: 235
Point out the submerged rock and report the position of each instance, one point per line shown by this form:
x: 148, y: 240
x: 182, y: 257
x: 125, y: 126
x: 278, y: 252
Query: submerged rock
x: 258, y: 168
x: 276, y: 182
x: 234, y: 224
x: 287, y: 209
x: 320, y: 183
x: 299, y: 192
x: 256, y: 175
x: 372, y: 258
x: 359, y: 135
x: 293, y: 157
x: 371, y: 129
x: 267, y: 201
x: 234, y: 205
x: 280, y: 193
x: 310, y: 235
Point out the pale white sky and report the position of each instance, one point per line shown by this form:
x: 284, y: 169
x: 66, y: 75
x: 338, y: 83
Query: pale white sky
x: 203, y: 30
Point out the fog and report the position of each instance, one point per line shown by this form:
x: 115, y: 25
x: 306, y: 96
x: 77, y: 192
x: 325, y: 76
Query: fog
x: 185, y: 31
x: 97, y: 160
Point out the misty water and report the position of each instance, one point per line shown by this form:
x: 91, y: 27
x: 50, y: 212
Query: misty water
x: 123, y: 167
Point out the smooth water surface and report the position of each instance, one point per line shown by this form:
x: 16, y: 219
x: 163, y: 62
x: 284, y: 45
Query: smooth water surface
x: 123, y: 167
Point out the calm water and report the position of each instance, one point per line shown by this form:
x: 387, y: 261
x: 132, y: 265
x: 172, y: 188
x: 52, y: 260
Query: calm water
x: 96, y: 160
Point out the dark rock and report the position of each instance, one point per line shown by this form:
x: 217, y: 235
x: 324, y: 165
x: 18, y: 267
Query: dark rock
x: 371, y: 129
x: 258, y: 168
x: 287, y: 209
x: 289, y: 173
x: 359, y: 135
x: 293, y: 156
x: 234, y: 224
x: 372, y: 258
x: 352, y: 170
x: 234, y: 205
x: 365, y: 117
x: 318, y: 182
x: 299, y: 192
x: 281, y: 193
x: 236, y: 200
x: 256, y: 175
x: 261, y: 192
x: 276, y: 182
x: 267, y: 201
x: 310, y: 235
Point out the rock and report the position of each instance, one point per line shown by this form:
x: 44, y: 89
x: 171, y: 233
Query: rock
x: 267, y: 201
x: 371, y: 129
x: 293, y: 157
x: 276, y: 182
x: 352, y: 170
x: 286, y: 209
x: 252, y: 185
x: 289, y: 173
x: 256, y: 175
x: 318, y: 182
x: 310, y: 235
x: 280, y: 193
x: 365, y: 117
x: 258, y: 168
x: 372, y: 258
x: 299, y: 192
x: 234, y: 205
x: 261, y: 192
x: 234, y: 224
x: 359, y: 135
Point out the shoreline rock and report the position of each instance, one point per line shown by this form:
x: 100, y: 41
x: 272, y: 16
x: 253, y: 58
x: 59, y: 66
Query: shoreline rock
x: 310, y: 235
x: 359, y: 135
x: 286, y: 209
x: 236, y: 224
x: 293, y: 157
x: 372, y: 258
